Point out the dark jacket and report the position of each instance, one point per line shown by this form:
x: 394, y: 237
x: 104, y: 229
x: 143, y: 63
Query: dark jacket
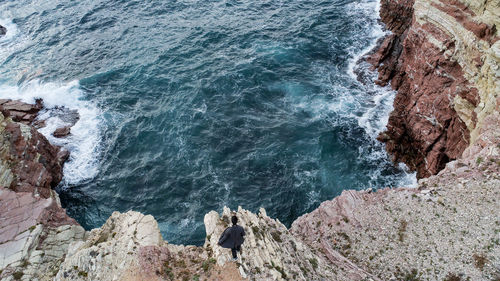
x: 232, y: 237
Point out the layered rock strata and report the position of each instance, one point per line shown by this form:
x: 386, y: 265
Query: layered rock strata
x: 443, y: 59
x: 446, y: 229
x: 34, y: 230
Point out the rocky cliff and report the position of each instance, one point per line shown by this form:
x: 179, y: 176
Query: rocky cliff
x: 443, y: 59
x: 448, y: 228
x: 34, y: 230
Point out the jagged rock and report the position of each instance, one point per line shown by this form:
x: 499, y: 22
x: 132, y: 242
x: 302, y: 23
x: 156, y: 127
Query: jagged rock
x: 62, y: 132
x: 35, y: 231
x: 436, y: 230
x: 271, y: 252
x: 3, y: 31
x: 129, y: 247
x: 441, y: 60
x: 20, y: 111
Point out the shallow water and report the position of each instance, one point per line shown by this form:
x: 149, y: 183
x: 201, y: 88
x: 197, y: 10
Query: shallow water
x: 188, y: 106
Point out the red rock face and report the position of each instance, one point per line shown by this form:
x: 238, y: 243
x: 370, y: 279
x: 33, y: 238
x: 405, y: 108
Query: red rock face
x: 36, y: 164
x: 424, y: 131
x: 20, y: 111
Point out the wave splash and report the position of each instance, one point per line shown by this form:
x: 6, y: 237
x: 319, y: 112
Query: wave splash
x: 84, y: 140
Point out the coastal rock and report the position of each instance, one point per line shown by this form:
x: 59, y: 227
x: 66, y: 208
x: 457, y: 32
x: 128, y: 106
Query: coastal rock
x: 35, y: 231
x: 20, y: 111
x: 62, y: 132
x: 437, y: 230
x: 3, y: 31
x: 442, y: 59
x: 129, y: 247
x: 271, y: 252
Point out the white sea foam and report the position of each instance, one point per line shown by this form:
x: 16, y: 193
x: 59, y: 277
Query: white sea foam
x: 380, y: 103
x: 84, y: 140
x: 12, y: 30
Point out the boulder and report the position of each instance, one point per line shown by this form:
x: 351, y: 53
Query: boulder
x: 3, y: 31
x: 62, y: 132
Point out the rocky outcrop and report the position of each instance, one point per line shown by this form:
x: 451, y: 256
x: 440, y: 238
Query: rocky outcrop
x: 129, y: 247
x: 62, y: 132
x: 442, y: 59
x: 20, y: 111
x: 446, y: 228
x: 271, y: 252
x: 34, y: 229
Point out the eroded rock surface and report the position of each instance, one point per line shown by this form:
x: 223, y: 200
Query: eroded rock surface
x: 442, y: 59
x: 447, y: 227
x: 271, y: 252
x: 34, y: 229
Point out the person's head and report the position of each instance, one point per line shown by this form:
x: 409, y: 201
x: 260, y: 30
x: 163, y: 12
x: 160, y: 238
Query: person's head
x: 234, y: 220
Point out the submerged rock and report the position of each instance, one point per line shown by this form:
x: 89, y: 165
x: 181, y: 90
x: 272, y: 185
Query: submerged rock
x: 3, y: 31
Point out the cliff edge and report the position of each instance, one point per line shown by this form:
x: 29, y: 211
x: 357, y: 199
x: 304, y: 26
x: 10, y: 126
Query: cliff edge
x: 443, y: 60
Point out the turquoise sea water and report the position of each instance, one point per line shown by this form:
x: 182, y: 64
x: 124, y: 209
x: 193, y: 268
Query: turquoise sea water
x: 188, y: 106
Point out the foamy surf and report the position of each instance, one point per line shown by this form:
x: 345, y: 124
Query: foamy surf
x: 377, y: 101
x: 84, y: 140
x: 12, y: 30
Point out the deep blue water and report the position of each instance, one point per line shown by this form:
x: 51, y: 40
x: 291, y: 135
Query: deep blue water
x: 188, y: 106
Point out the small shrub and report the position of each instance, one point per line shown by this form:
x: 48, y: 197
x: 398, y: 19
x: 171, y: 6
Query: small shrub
x: 168, y: 271
x: 276, y: 236
x: 206, y: 265
x: 413, y: 275
x: 25, y: 263
x: 402, y: 229
x: 256, y: 232
x: 196, y: 277
x: 314, y: 263
x: 18, y: 275
x: 225, y: 220
x: 479, y: 260
x: 280, y: 270
x: 452, y: 277
x: 82, y: 274
x: 479, y: 160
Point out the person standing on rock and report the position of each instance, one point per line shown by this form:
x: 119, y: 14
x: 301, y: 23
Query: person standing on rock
x: 232, y: 238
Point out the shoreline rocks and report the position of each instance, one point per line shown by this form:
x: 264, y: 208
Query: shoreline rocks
x: 435, y: 60
x: 443, y: 61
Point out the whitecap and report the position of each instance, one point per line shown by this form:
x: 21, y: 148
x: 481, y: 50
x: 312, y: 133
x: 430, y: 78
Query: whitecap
x: 84, y: 140
x: 12, y: 30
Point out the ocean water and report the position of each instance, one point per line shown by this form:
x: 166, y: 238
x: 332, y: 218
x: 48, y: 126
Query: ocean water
x: 189, y: 106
